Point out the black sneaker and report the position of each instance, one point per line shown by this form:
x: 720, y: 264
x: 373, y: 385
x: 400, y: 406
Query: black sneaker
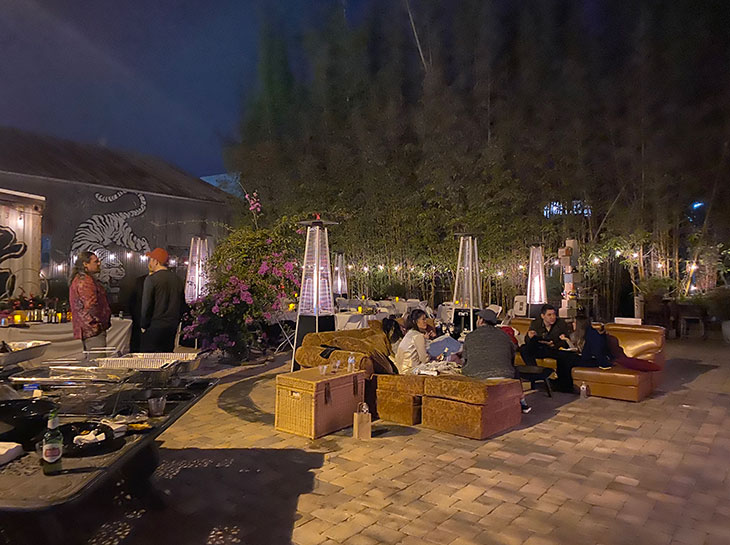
x: 525, y: 408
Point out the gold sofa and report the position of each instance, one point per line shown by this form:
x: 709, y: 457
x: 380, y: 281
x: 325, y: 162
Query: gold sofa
x: 645, y: 342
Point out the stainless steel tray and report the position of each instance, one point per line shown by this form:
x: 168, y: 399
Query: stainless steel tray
x: 24, y: 351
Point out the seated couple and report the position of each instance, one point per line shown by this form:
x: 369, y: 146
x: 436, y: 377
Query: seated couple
x: 575, y: 345
x: 488, y: 352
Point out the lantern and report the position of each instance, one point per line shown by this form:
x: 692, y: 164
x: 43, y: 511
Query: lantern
x: 340, y: 285
x: 536, y: 287
x: 316, y: 304
x: 196, y: 281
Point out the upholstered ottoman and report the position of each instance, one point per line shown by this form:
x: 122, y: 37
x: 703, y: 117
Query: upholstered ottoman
x: 616, y: 383
x: 398, y: 398
x: 399, y: 408
x: 469, y: 407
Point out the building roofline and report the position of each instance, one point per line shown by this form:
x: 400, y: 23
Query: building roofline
x: 111, y: 187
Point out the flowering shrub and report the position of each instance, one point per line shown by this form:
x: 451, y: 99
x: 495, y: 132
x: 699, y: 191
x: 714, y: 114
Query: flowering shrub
x: 251, y: 272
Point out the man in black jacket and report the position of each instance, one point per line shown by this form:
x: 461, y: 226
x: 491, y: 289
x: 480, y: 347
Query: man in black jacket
x: 546, y: 336
x: 163, y: 304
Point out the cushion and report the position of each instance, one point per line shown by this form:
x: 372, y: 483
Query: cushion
x: 616, y: 375
x: 470, y: 390
x: 311, y: 356
x: 404, y: 384
x: 638, y: 341
x: 620, y: 358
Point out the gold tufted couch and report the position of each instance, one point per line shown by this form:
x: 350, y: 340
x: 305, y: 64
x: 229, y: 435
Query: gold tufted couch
x: 645, y: 342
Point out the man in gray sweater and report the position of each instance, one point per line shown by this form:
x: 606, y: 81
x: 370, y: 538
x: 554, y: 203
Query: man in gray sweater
x: 489, y: 352
x: 163, y: 304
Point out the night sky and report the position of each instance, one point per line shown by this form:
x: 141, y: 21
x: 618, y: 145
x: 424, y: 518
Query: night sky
x: 162, y: 77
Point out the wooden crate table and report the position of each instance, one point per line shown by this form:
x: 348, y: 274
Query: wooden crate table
x: 311, y: 404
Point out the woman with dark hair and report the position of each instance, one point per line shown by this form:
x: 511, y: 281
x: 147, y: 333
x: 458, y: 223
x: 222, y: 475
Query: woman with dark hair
x: 90, y: 312
x: 591, y: 344
x: 412, y: 349
x: 393, y: 332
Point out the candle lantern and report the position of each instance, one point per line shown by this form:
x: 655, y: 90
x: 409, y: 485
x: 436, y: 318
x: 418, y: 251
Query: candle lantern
x: 468, y: 285
x: 316, y: 304
x: 196, y: 280
x: 536, y: 286
x: 340, y: 284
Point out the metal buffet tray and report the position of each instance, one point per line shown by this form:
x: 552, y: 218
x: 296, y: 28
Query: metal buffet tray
x: 23, y: 351
x: 70, y: 375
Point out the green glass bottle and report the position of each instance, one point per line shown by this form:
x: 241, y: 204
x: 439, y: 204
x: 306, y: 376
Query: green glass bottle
x: 52, y: 446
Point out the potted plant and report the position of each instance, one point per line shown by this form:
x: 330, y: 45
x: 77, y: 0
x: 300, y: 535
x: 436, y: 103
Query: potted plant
x: 719, y: 306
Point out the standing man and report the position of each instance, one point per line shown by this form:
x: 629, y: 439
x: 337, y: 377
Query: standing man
x: 546, y: 336
x: 90, y: 312
x: 163, y: 304
x: 489, y: 352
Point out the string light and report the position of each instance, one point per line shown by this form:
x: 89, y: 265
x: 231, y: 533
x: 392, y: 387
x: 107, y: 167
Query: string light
x: 693, y: 267
x: 129, y: 254
x: 659, y: 265
x: 596, y: 260
x: 143, y: 258
x: 521, y: 267
x: 112, y: 257
x: 500, y: 273
x: 381, y: 267
x: 365, y: 269
x: 618, y: 253
x: 635, y: 255
x: 59, y: 267
x: 556, y: 262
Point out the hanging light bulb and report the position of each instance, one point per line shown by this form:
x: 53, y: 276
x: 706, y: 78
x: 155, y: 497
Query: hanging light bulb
x: 521, y: 267
x: 618, y: 253
x: 500, y: 273
x: 365, y: 269
x: 381, y: 267
x: 693, y: 267
x: 635, y: 255
x: 556, y: 262
x: 596, y: 260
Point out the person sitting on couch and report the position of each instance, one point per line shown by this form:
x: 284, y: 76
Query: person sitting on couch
x: 412, y: 349
x: 592, y: 345
x: 546, y: 336
x: 489, y: 352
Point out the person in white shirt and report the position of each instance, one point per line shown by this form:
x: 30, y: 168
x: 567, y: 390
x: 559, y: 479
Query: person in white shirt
x: 412, y: 349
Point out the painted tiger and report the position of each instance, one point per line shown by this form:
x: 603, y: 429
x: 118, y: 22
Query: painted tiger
x: 99, y: 232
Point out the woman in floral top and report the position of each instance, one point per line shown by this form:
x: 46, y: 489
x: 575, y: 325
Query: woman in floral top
x: 90, y: 310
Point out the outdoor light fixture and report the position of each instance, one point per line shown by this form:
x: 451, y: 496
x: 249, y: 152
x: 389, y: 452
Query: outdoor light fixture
x: 468, y: 281
x: 536, y: 286
x: 340, y: 275
x: 316, y: 305
x: 196, y: 279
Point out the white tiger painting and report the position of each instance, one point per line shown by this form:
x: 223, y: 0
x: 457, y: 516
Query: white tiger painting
x: 99, y: 232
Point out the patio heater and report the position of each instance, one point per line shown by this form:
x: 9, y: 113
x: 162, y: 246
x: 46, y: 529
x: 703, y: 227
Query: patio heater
x: 468, y: 286
x: 316, y: 306
x: 340, y: 284
x: 196, y: 280
x: 536, y: 287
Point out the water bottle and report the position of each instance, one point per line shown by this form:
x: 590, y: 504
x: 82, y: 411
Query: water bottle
x: 351, y: 363
x: 584, y: 390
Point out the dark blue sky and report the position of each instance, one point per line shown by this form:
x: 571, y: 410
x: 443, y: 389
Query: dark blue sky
x: 162, y: 77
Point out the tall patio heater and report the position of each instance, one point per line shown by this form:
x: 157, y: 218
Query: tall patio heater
x: 536, y: 286
x: 196, y: 280
x: 316, y: 306
x: 340, y: 284
x: 468, y: 286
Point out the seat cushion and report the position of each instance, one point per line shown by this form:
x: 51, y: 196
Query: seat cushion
x: 470, y: 390
x: 616, y: 375
x: 403, y: 384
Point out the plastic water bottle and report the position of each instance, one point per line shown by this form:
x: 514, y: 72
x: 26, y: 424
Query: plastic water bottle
x: 584, y: 393
x: 351, y: 363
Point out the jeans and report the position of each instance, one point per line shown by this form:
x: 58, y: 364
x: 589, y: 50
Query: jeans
x: 566, y: 360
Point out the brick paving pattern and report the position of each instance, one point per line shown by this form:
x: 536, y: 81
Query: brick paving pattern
x: 592, y: 471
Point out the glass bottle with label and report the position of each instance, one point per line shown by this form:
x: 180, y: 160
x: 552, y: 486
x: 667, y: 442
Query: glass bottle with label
x: 52, y: 446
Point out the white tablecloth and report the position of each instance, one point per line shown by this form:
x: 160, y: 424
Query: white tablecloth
x: 356, y: 320
x: 62, y: 337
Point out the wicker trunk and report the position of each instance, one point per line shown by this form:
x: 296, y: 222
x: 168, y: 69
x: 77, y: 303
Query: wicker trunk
x: 469, y: 420
x: 312, y: 405
x: 399, y: 408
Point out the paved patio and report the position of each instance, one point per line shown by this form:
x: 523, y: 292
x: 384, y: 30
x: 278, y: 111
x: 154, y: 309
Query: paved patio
x: 592, y: 471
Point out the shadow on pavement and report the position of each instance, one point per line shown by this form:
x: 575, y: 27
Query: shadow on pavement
x: 680, y: 372
x: 236, y: 400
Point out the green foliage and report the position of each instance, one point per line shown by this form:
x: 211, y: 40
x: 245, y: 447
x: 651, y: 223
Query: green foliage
x: 514, y: 109
x: 718, y: 301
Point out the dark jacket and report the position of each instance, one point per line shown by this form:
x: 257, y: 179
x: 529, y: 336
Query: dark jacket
x: 559, y: 328
x: 488, y: 352
x: 596, y: 350
x: 163, y: 300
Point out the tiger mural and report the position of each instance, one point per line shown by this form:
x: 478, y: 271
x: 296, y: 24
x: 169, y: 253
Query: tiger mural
x: 100, y: 231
